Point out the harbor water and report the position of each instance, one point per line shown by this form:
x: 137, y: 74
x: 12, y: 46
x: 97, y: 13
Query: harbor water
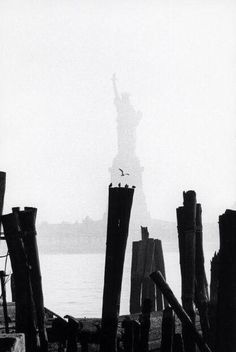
x: 73, y: 283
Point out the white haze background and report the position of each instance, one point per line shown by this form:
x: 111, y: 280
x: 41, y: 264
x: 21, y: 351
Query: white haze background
x: 177, y: 59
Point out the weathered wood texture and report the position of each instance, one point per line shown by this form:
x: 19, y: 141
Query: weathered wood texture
x: 201, y: 285
x: 167, y: 330
x: 186, y: 219
x: 27, y: 220
x: 147, y: 255
x: 180, y: 312
x: 136, y: 280
x: 213, y: 298
x: 119, y: 208
x: 159, y: 265
x: 20, y: 233
x: 145, y: 325
x: 25, y: 317
x: 148, y: 288
x: 4, y: 300
x: 226, y: 305
x: 2, y: 191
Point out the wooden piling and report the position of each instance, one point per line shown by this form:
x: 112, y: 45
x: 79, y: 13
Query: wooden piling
x: 136, y: 281
x: 4, y: 300
x: 201, y: 285
x: 119, y: 208
x: 167, y: 330
x: 145, y: 324
x: 27, y: 220
x: 180, y: 312
x: 186, y: 218
x: 213, y: 298
x: 147, y: 256
x: 226, y: 303
x: 25, y: 318
x: 2, y: 191
x: 159, y: 265
x: 148, y: 288
x: 214, y: 279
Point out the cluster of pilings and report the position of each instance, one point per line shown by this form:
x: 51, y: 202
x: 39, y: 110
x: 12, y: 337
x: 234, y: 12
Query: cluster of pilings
x: 147, y: 256
x: 20, y: 235
x: 217, y: 313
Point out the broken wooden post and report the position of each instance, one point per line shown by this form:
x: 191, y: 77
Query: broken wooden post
x: 148, y: 288
x: 119, y: 208
x: 4, y: 300
x: 180, y: 312
x: 226, y: 305
x: 213, y: 298
x: 147, y: 256
x: 13, y: 289
x: 136, y: 280
x: 167, y: 330
x: 27, y: 219
x: 201, y: 286
x: 2, y: 191
x: 186, y: 218
x: 145, y: 324
x: 25, y: 320
x: 214, y: 279
x: 159, y: 265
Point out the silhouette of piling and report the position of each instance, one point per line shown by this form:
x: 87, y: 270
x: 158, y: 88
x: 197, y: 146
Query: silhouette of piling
x: 213, y: 298
x: 147, y: 255
x: 148, y: 288
x: 186, y: 218
x: 136, y: 280
x: 226, y: 302
x: 180, y: 312
x: 25, y: 317
x: 2, y: 191
x: 4, y: 300
x: 119, y: 208
x: 145, y: 324
x: 167, y: 330
x: 201, y: 285
x: 27, y: 220
x: 160, y: 266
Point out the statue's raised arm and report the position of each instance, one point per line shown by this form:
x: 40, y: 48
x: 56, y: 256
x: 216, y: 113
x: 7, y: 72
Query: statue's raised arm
x: 115, y: 87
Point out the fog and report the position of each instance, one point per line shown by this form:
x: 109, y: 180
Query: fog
x: 177, y: 59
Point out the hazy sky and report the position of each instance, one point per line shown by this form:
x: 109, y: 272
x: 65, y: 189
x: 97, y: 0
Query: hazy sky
x: 177, y: 59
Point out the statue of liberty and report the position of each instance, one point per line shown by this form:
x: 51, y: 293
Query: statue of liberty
x: 127, y: 121
x: 126, y: 159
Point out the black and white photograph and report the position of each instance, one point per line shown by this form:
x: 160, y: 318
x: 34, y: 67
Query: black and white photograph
x: 118, y: 176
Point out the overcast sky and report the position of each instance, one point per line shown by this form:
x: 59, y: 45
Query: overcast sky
x: 177, y: 59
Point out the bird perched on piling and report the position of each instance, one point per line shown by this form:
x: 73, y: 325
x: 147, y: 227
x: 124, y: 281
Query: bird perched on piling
x: 133, y: 186
x: 110, y: 185
x: 126, y: 186
x: 123, y: 174
x: 119, y: 184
